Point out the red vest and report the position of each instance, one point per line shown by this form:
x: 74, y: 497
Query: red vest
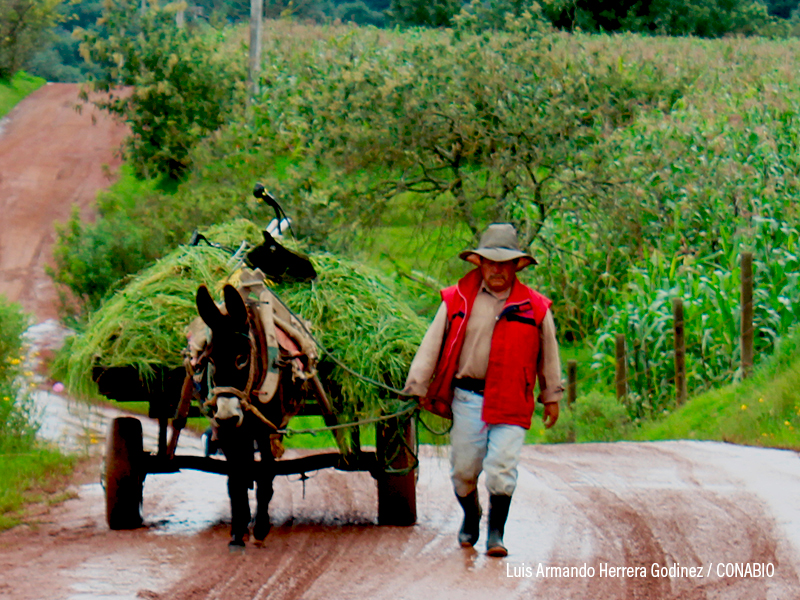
x: 508, y: 398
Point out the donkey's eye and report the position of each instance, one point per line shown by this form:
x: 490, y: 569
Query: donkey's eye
x: 241, y: 361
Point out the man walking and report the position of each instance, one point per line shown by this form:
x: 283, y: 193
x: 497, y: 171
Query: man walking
x: 491, y: 340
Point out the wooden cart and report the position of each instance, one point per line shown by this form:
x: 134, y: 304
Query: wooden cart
x: 393, y: 463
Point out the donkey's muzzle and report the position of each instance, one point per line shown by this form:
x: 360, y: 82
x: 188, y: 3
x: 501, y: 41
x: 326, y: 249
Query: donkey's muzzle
x: 228, y: 409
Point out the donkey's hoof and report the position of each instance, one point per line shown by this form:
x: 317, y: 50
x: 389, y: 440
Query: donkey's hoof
x: 260, y: 533
x: 236, y: 544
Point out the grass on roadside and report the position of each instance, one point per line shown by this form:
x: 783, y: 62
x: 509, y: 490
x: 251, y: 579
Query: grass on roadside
x: 11, y: 92
x: 28, y: 477
x: 763, y: 410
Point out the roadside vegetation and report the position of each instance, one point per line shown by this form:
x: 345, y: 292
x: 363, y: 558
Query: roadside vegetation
x: 14, y: 90
x: 762, y: 410
x: 26, y: 467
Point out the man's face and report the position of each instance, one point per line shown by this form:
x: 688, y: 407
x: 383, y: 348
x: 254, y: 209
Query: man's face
x: 498, y: 276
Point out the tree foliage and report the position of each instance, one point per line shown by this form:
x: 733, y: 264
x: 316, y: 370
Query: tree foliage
x: 703, y: 18
x: 22, y: 25
x: 58, y: 57
x: 503, y: 127
x: 172, y: 85
x: 783, y: 9
x: 427, y: 13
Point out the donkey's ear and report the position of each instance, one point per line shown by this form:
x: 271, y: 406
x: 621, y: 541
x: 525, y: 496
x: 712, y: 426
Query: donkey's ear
x: 235, y: 307
x: 207, y: 309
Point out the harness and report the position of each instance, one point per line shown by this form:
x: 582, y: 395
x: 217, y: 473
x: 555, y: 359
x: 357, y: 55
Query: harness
x: 269, y: 335
x: 254, y: 374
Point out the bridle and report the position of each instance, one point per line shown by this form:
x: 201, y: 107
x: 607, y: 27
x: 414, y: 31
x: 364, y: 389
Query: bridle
x: 214, y: 391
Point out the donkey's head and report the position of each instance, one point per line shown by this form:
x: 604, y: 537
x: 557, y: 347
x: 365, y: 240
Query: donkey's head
x: 231, y: 354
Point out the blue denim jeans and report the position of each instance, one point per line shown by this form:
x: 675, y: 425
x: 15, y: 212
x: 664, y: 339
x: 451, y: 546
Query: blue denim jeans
x: 476, y: 447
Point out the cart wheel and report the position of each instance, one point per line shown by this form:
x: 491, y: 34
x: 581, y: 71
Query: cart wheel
x: 124, y: 479
x: 397, y: 493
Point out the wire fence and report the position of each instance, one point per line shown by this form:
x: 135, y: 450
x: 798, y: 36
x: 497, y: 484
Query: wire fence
x: 650, y: 384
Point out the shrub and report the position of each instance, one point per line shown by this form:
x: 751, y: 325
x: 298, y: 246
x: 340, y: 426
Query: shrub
x: 186, y: 82
x: 592, y: 418
x: 17, y: 429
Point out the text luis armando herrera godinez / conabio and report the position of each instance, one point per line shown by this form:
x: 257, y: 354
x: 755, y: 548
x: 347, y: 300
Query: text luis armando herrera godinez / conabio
x: 711, y: 570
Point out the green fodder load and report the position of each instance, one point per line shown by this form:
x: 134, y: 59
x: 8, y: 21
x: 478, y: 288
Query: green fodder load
x: 358, y: 319
x: 353, y: 311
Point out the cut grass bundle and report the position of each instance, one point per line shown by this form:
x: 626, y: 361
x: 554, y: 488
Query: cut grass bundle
x: 355, y: 314
x: 361, y: 323
x: 142, y: 325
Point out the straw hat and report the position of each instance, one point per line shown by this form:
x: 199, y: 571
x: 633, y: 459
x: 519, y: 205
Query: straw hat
x: 499, y: 243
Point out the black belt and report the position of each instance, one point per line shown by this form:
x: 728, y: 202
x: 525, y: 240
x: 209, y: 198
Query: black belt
x: 471, y: 385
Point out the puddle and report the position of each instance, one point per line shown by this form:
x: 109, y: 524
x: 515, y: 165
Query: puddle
x: 79, y: 427
x: 182, y: 503
x: 73, y: 426
x: 124, y: 576
x: 185, y: 503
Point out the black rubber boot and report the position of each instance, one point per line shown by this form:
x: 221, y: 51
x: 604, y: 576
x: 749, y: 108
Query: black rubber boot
x: 471, y: 527
x: 498, y: 513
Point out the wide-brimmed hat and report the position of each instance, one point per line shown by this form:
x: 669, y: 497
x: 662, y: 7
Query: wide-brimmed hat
x: 499, y: 243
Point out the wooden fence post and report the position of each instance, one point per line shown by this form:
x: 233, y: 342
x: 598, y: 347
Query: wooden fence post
x: 747, y: 314
x: 680, y: 351
x: 622, y: 369
x: 572, y: 382
x: 256, y: 18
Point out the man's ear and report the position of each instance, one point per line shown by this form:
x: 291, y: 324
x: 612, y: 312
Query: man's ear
x: 207, y: 308
x: 234, y: 304
x: 474, y: 259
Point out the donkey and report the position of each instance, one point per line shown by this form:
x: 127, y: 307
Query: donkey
x: 240, y: 360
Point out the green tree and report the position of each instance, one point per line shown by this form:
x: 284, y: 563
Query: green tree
x: 59, y: 57
x: 703, y: 18
x: 427, y: 13
x: 782, y: 8
x: 172, y: 85
x: 480, y: 15
x: 22, y: 25
x: 358, y: 12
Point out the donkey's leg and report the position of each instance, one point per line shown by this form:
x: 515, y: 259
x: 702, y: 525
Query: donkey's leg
x: 265, y: 474
x: 240, y: 508
x: 239, y: 455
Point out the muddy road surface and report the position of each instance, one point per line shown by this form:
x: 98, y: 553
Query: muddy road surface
x: 688, y: 520
x: 654, y: 521
x: 51, y: 159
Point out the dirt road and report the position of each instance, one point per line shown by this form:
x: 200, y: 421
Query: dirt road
x: 671, y: 520
x: 590, y: 508
x: 51, y: 159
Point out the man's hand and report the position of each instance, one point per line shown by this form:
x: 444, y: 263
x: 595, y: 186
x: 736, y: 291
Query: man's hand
x: 550, y: 415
